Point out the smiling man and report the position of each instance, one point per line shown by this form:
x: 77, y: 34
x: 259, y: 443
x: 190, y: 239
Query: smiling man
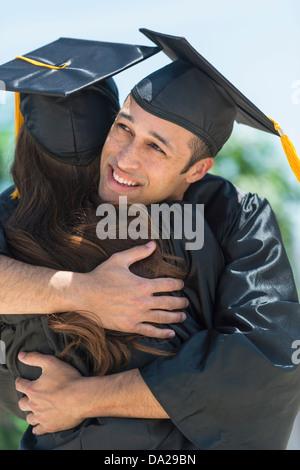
x: 230, y: 384
x: 148, y: 159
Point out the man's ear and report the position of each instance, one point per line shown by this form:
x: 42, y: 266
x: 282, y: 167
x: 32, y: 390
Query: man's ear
x: 199, y: 169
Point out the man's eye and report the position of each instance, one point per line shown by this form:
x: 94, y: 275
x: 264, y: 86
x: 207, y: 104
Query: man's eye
x: 157, y: 148
x: 123, y: 127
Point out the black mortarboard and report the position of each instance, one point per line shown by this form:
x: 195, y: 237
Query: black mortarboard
x: 190, y: 92
x: 67, y: 98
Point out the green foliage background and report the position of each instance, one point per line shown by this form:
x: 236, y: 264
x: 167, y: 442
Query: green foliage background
x: 254, y: 163
x: 6, y: 153
x: 257, y: 164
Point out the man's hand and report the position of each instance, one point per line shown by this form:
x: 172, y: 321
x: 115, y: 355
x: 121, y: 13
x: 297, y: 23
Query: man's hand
x: 61, y: 398
x: 51, y: 399
x: 124, y: 301
x: 121, y: 300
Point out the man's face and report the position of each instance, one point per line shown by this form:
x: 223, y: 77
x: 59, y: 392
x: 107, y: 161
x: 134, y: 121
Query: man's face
x: 143, y: 156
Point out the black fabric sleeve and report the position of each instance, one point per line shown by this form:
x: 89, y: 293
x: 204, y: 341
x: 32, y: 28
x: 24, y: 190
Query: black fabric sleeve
x: 234, y: 384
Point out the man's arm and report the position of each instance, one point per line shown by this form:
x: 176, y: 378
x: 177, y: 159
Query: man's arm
x: 31, y: 289
x: 122, y: 300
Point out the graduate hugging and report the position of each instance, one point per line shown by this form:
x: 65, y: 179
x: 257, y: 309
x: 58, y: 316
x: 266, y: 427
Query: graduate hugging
x: 127, y: 343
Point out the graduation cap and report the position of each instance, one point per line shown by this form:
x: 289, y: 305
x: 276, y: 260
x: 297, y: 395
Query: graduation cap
x: 191, y: 93
x: 66, y: 95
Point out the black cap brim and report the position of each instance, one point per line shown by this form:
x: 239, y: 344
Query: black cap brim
x: 67, y: 94
x: 88, y: 62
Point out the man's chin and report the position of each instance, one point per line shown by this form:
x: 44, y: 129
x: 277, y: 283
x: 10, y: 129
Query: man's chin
x: 113, y: 196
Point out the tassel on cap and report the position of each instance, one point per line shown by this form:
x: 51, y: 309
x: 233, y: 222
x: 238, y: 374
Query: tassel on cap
x: 15, y: 194
x: 18, y: 115
x: 18, y: 124
x: 289, y: 150
x: 42, y: 64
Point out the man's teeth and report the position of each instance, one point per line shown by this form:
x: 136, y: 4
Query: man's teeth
x: 122, y: 181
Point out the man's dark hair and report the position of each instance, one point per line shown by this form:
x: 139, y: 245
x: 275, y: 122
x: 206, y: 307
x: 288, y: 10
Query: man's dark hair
x: 199, y: 151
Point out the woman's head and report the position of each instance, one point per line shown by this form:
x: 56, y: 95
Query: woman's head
x: 50, y: 190
x: 59, y: 144
x: 71, y: 129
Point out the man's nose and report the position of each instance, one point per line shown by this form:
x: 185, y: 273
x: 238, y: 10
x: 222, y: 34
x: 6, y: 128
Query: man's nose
x: 128, y: 157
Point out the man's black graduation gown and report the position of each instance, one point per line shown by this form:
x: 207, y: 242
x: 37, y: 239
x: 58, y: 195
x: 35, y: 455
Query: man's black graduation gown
x: 232, y: 383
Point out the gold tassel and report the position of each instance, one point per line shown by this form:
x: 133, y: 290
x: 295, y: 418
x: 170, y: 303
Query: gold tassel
x: 41, y: 64
x: 18, y: 115
x: 15, y: 194
x: 289, y: 150
x: 18, y: 124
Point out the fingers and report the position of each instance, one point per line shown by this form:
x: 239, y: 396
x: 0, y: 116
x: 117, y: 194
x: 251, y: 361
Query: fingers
x: 39, y: 430
x: 167, y: 302
x: 128, y: 257
x: 31, y: 419
x: 22, y: 385
x: 158, y: 316
x: 148, y: 287
x: 165, y: 285
x: 35, y: 359
x: 151, y: 331
x: 24, y: 404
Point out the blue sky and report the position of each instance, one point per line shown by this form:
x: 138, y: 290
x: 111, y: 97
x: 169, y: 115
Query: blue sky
x: 256, y: 44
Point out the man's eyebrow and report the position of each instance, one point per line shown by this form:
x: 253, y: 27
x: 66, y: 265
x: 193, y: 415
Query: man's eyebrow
x: 155, y: 135
x: 162, y: 139
x: 124, y: 115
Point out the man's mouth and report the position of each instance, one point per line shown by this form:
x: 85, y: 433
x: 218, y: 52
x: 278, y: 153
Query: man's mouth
x: 123, y: 181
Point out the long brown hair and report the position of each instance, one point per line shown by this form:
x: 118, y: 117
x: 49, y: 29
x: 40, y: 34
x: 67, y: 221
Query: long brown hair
x: 54, y: 225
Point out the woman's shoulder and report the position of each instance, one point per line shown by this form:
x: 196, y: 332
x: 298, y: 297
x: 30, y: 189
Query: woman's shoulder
x: 7, y: 203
